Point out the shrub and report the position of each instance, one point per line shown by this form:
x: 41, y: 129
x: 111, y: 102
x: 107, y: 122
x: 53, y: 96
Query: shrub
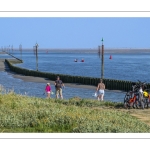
x: 19, y: 113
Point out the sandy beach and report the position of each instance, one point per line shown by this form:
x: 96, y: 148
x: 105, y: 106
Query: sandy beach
x: 2, y: 65
x: 2, y: 53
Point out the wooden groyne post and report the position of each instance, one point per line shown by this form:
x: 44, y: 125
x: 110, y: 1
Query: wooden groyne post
x: 20, y: 48
x: 14, y: 56
x: 102, y: 61
x: 36, y: 53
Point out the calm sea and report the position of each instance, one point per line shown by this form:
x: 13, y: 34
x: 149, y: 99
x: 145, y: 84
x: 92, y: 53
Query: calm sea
x: 122, y: 66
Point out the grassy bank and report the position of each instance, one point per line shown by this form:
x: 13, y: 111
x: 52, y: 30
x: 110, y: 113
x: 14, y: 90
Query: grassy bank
x: 29, y: 114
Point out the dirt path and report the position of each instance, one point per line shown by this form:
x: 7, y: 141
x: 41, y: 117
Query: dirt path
x: 142, y: 115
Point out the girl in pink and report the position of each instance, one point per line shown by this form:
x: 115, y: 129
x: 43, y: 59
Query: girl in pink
x: 48, y: 90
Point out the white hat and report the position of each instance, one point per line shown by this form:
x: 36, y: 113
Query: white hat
x: 48, y: 83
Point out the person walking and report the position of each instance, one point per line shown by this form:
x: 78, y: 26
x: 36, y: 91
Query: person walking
x: 48, y: 90
x: 100, y: 89
x: 58, y: 88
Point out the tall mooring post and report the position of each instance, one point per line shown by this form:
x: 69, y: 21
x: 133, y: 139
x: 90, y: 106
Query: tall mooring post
x: 12, y: 48
x: 20, y: 48
x: 36, y: 53
x: 99, y: 54
x: 102, y: 61
x: 9, y: 49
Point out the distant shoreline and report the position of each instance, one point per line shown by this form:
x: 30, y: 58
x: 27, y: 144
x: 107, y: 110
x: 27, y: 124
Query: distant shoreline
x: 85, y: 50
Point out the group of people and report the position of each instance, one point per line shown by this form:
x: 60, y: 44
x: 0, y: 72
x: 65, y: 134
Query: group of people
x: 58, y: 88
x: 59, y: 85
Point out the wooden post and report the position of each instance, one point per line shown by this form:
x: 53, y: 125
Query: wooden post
x: 102, y: 62
x: 20, y: 48
x: 99, y: 54
x: 36, y: 58
x: 12, y: 49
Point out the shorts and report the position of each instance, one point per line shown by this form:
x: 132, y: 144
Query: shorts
x: 48, y: 92
x: 58, y: 91
x: 101, y: 92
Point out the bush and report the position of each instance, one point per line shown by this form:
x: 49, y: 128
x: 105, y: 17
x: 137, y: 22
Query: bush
x: 19, y: 113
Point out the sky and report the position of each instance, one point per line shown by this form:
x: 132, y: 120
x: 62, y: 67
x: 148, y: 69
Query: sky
x: 75, y: 32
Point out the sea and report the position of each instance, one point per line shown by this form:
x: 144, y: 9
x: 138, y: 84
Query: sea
x: 123, y: 65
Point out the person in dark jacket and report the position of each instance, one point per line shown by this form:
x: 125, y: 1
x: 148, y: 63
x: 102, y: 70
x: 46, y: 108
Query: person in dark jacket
x: 58, y: 88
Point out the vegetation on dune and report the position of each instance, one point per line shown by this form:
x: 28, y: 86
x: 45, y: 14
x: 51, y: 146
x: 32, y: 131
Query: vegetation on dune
x: 20, y: 113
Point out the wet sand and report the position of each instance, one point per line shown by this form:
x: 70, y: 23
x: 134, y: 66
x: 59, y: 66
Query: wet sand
x: 45, y: 80
x: 2, y: 53
x: 2, y: 65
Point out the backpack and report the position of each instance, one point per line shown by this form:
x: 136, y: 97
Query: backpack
x: 58, y: 84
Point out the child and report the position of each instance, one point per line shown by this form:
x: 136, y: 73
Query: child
x: 48, y: 90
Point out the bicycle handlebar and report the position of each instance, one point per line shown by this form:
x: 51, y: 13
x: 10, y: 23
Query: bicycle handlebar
x: 141, y: 82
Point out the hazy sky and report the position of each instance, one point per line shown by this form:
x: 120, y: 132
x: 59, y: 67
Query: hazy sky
x: 75, y: 32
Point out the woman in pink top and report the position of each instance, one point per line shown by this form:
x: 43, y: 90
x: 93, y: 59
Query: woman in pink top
x: 48, y: 90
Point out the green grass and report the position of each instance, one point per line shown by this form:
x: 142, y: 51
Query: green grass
x: 20, y: 113
x: 89, y: 103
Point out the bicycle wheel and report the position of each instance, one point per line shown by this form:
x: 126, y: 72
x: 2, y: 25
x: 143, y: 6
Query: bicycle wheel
x: 136, y: 104
x: 126, y: 99
x: 142, y: 104
x: 146, y: 102
x: 141, y: 99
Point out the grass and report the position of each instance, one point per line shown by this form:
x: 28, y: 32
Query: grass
x: 20, y: 113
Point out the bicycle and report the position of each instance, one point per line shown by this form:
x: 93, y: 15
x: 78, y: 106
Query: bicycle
x: 137, y: 98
